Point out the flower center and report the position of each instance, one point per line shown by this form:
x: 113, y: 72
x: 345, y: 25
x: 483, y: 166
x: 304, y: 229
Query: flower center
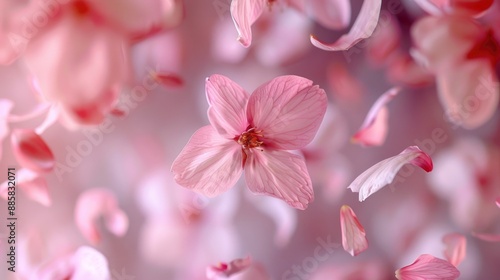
x: 250, y: 138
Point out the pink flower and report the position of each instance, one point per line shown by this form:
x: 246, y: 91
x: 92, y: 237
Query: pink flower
x: 353, y: 234
x: 253, y: 132
x: 428, y: 267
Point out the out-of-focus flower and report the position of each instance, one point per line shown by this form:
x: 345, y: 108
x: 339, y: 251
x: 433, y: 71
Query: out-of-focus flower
x: 374, y: 129
x: 428, y: 267
x: 226, y: 270
x: 382, y: 173
x: 253, y: 132
x: 353, y: 234
x: 93, y: 204
x: 472, y: 101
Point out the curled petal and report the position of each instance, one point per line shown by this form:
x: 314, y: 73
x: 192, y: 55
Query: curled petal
x: 208, y: 164
x: 288, y: 110
x: 94, y: 203
x: 353, y: 233
x: 428, y: 267
x: 383, y: 173
x: 455, y: 248
x: 227, y: 102
x: 474, y: 100
x: 31, y: 151
x: 373, y: 131
x: 279, y: 174
x: 244, y: 14
x: 362, y: 28
x: 226, y: 270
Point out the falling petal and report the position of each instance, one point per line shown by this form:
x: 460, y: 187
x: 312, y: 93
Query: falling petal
x: 353, y: 233
x: 455, y: 248
x: 362, y: 28
x: 31, y: 151
x: 383, y: 173
x: 429, y: 268
x: 244, y: 14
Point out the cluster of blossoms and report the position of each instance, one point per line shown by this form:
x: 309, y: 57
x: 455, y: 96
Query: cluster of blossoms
x: 100, y: 115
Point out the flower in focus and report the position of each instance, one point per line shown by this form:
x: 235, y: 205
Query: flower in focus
x: 253, y: 132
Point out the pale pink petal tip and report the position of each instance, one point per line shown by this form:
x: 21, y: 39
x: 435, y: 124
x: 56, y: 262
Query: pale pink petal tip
x: 31, y: 151
x: 429, y: 268
x: 373, y: 131
x: 362, y: 28
x: 384, y: 172
x: 88, y: 263
x: 353, y: 234
x: 226, y: 270
x: 488, y: 237
x: 455, y: 248
x: 93, y: 204
x: 32, y: 184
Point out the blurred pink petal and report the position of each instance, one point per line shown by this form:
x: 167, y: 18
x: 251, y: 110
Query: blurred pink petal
x: 283, y: 216
x: 226, y: 270
x: 468, y: 7
x: 383, y: 173
x: 32, y: 184
x: 345, y: 85
x: 91, y: 205
x: 280, y: 174
x: 168, y: 79
x: 403, y: 69
x: 31, y: 151
x: 385, y: 41
x: 64, y: 78
x: 333, y: 14
x: 474, y: 100
x: 456, y: 245
x: 487, y: 236
x: 39, y: 109
x: 428, y: 267
x: 353, y: 234
x: 289, y: 110
x: 433, y: 37
x: 208, y: 164
x: 244, y: 14
x: 227, y: 102
x: 84, y: 264
x: 374, y: 129
x: 362, y: 28
x: 50, y: 119
x: 497, y: 201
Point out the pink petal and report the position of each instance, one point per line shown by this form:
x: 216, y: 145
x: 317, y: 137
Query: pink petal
x: 283, y: 216
x: 32, y: 184
x: 428, y: 267
x: 474, y: 100
x: 168, y: 79
x: 404, y: 69
x: 497, y: 201
x: 91, y: 205
x: 487, y: 236
x: 279, y: 174
x: 244, y: 14
x: 383, y: 173
x: 49, y: 120
x: 373, y: 131
x: 208, y: 164
x: 438, y: 7
x: 88, y: 263
x: 362, y: 28
x: 455, y: 248
x: 31, y: 151
x: 333, y: 14
x: 227, y: 102
x: 288, y: 110
x: 353, y: 234
x: 226, y: 270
